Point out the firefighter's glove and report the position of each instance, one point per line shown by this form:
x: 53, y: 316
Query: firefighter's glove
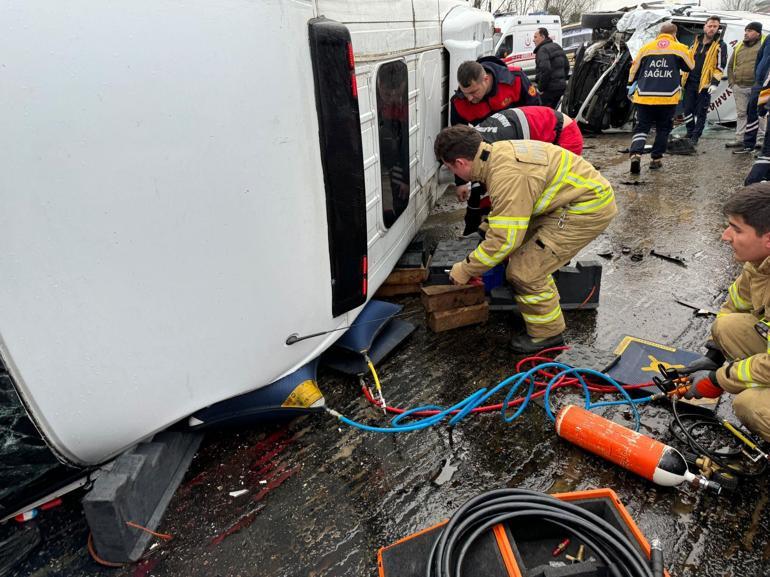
x: 712, y: 89
x: 458, y: 275
x: 704, y: 385
x: 702, y: 364
x: 631, y: 89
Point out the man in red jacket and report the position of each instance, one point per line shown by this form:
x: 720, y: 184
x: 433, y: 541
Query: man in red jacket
x: 488, y: 86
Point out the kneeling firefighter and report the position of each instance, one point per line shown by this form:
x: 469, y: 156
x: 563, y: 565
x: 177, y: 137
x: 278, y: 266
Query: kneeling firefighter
x: 547, y: 204
x: 739, y: 363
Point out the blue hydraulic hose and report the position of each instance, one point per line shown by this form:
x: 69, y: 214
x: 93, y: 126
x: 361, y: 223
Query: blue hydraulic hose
x: 514, y: 383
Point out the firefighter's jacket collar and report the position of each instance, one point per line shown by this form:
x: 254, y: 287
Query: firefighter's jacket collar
x: 480, y: 165
x: 763, y: 267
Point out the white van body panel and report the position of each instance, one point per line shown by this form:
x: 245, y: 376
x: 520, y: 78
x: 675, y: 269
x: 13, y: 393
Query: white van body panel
x: 164, y: 211
x: 521, y: 29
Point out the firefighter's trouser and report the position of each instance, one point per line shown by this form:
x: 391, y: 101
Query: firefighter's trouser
x: 696, y: 108
x: 552, y: 240
x: 648, y: 115
x: 735, y: 335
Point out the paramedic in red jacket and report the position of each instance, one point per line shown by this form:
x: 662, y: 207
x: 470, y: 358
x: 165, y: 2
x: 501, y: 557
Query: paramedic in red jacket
x: 541, y: 123
x: 486, y: 86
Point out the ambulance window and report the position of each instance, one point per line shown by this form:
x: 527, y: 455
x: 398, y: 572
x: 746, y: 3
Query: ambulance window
x: 506, y: 47
x: 393, y: 114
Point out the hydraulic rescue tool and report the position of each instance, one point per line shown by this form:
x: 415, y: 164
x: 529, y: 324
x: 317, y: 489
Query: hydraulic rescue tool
x: 719, y: 466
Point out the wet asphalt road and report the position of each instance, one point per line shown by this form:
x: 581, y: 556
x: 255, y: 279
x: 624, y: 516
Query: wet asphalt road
x: 323, y: 498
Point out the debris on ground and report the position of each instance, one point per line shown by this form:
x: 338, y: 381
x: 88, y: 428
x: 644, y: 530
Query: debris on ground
x: 669, y: 257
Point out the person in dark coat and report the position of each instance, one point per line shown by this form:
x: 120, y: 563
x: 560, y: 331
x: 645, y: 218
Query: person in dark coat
x: 551, y: 68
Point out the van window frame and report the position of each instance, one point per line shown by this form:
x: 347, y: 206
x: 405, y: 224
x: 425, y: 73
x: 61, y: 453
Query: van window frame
x: 400, y: 180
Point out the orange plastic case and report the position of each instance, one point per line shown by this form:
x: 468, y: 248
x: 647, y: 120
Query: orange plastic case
x: 500, y: 553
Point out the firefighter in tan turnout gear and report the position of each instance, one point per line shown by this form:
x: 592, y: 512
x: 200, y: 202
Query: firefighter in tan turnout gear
x: 547, y: 204
x: 741, y: 328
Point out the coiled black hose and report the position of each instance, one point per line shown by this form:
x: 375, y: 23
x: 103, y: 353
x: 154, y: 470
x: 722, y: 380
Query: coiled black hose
x: 481, y: 513
x: 683, y: 428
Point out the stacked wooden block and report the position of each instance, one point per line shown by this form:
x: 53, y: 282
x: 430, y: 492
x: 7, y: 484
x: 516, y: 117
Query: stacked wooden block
x: 403, y: 281
x: 452, y: 306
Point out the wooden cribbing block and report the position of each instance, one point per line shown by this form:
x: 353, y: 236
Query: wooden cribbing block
x: 391, y: 290
x: 440, y: 321
x: 405, y: 276
x: 445, y: 297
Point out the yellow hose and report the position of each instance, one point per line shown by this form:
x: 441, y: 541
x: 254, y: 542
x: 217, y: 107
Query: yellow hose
x: 377, y: 383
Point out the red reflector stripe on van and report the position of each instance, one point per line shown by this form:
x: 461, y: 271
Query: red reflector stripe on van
x: 351, y: 58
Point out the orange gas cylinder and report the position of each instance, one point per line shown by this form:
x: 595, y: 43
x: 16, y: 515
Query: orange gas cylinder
x: 633, y: 451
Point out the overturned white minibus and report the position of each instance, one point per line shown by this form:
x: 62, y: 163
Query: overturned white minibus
x: 186, y: 184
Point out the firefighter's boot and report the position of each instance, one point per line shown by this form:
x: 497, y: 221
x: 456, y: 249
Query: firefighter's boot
x: 527, y: 345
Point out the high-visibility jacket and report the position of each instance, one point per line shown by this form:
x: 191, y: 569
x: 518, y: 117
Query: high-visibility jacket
x: 713, y: 66
x: 541, y: 123
x: 657, y: 71
x: 510, y: 88
x: 750, y: 293
x: 526, y: 179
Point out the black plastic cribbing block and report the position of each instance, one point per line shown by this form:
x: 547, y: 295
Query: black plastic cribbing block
x: 137, y: 489
x: 579, y: 287
x: 410, y: 260
x: 447, y: 253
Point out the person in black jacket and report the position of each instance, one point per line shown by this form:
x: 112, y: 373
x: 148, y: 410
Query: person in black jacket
x: 551, y: 68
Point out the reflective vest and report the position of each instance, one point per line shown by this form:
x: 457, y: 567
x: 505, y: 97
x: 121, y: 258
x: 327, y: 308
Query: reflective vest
x: 657, y: 71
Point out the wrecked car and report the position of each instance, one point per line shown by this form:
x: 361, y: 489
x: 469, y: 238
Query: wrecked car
x: 596, y: 94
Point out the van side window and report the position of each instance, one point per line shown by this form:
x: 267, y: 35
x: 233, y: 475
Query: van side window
x: 393, y: 115
x: 506, y: 47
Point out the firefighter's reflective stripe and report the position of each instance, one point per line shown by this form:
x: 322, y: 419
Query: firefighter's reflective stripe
x: 539, y: 297
x: 604, y: 195
x: 543, y: 319
x: 534, y: 299
x: 739, y: 303
x: 565, y: 164
x: 742, y: 370
x: 511, y: 225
